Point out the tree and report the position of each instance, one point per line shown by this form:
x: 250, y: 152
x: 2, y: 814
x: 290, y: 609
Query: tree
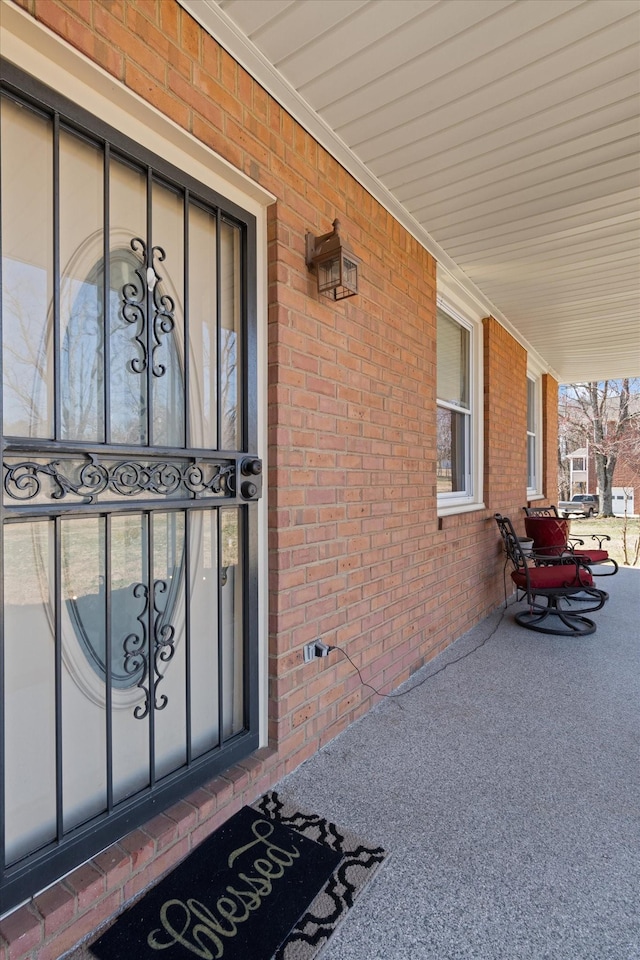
x: 605, y: 415
x: 572, y: 435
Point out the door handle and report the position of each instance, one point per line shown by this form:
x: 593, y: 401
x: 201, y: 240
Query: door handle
x: 251, y: 467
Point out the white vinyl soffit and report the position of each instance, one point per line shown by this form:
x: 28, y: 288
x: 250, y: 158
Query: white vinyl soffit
x: 504, y: 136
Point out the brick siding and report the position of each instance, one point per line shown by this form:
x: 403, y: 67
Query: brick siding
x: 357, y: 554
x: 505, y: 440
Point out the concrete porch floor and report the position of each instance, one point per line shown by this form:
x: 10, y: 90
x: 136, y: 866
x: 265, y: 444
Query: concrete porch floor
x: 506, y: 791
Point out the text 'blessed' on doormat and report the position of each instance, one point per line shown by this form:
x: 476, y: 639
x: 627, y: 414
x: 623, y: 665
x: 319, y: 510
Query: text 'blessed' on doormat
x: 272, y: 882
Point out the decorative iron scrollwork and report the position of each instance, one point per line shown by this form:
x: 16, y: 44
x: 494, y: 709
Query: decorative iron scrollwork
x: 22, y: 480
x: 126, y: 478
x: 163, y: 639
x: 136, y: 655
x: 136, y: 651
x: 135, y: 300
x: 163, y: 320
x: 134, y: 308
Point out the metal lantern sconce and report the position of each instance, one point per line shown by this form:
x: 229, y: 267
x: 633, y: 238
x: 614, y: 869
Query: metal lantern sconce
x: 336, y: 266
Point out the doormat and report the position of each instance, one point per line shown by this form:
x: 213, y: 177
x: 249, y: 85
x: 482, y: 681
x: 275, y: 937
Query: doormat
x: 271, y: 884
x: 358, y: 865
x: 237, y: 896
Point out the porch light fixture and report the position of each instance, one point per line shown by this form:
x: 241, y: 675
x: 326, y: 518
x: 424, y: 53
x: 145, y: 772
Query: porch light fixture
x: 336, y: 266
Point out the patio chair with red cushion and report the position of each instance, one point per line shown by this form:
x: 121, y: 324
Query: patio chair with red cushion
x: 550, y: 588
x: 551, y: 538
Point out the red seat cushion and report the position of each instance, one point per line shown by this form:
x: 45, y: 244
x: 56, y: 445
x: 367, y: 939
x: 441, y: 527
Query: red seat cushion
x: 549, y: 535
x: 553, y: 577
x: 591, y: 556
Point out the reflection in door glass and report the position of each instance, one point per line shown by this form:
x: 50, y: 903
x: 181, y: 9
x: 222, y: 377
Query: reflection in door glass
x: 203, y: 394
x: 29, y: 687
x: 83, y: 689
x: 203, y: 614
x: 81, y: 284
x: 230, y: 359
x: 128, y: 390
x: 167, y: 320
x: 27, y: 272
x: 232, y: 621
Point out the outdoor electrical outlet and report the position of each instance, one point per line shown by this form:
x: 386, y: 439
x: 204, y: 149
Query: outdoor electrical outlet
x: 316, y: 648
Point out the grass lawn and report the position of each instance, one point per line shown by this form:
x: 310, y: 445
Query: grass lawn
x: 624, y: 532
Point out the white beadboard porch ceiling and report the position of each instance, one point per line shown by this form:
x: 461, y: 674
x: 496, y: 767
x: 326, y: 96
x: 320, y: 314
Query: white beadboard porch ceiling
x: 504, y: 134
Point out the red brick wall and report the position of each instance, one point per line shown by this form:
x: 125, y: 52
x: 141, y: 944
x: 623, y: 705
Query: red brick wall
x: 627, y: 474
x: 505, y: 439
x: 351, y: 419
x: 357, y: 555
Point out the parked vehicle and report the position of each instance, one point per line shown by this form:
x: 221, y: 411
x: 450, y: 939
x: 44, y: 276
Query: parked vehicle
x: 582, y: 504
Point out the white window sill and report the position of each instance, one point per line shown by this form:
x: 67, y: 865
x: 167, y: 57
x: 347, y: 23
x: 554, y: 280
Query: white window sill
x: 449, y: 510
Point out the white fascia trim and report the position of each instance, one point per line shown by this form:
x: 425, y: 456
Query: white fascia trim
x: 452, y: 295
x: 535, y: 367
x: 220, y: 26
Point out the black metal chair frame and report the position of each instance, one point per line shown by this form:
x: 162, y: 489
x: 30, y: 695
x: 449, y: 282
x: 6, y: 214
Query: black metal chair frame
x: 574, y: 543
x: 549, y: 610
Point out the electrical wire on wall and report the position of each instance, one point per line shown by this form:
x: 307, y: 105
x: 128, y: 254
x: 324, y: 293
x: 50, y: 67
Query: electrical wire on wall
x: 403, y: 693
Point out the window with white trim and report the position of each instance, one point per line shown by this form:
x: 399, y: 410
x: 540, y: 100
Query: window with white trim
x: 454, y: 467
x: 534, y: 434
x: 532, y: 466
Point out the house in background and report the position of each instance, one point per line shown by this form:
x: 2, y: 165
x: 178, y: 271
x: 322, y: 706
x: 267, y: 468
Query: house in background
x: 578, y: 473
x: 582, y: 479
x: 580, y: 470
x: 626, y: 488
x: 207, y: 462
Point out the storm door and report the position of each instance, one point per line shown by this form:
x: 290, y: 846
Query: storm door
x: 130, y: 487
